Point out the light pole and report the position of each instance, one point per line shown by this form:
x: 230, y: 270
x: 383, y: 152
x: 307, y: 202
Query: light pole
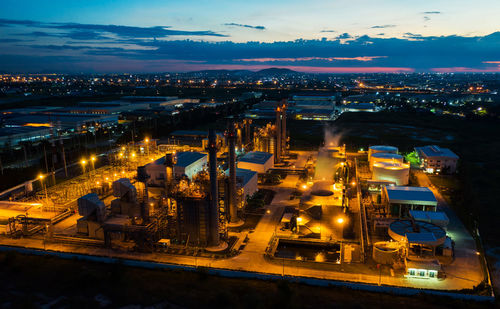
x: 83, y: 162
x: 146, y: 140
x: 92, y: 160
x: 44, y: 187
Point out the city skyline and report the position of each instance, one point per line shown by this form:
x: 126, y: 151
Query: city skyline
x: 391, y: 36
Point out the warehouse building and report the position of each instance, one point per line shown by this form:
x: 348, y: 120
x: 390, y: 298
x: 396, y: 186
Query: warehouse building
x: 256, y: 161
x: 434, y: 159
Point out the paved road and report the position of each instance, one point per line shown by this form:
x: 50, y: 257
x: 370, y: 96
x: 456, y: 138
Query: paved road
x: 466, y: 267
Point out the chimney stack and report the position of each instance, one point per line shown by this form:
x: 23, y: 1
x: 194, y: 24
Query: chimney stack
x: 233, y: 208
x: 283, y: 126
x: 214, y: 191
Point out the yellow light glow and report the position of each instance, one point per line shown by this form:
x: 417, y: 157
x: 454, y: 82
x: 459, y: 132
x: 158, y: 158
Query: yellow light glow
x: 340, y: 220
x: 83, y: 162
x: 40, y: 176
x: 133, y: 154
x: 299, y: 219
x: 146, y: 140
x: 92, y: 158
x: 304, y: 187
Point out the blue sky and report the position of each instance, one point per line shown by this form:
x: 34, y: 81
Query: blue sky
x: 310, y: 36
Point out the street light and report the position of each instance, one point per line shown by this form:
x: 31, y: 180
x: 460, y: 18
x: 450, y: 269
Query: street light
x: 83, y: 162
x: 92, y: 160
x: 44, y: 186
x: 147, y: 145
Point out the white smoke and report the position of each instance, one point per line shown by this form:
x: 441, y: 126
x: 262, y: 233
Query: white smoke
x: 332, y: 136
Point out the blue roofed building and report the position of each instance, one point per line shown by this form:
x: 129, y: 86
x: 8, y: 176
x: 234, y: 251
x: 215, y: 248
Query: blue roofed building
x: 246, y: 180
x: 399, y: 200
x: 256, y: 161
x: 187, y: 163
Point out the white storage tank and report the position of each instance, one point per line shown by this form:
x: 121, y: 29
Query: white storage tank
x: 396, y: 172
x: 385, y: 157
x: 381, y: 148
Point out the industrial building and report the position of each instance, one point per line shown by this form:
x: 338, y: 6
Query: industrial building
x: 435, y: 159
x: 186, y: 163
x: 247, y: 180
x: 256, y: 161
x: 399, y: 200
x: 189, y: 163
x: 359, y: 107
x: 13, y: 136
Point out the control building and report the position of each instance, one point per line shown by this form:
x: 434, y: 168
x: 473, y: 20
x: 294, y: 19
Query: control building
x: 435, y: 159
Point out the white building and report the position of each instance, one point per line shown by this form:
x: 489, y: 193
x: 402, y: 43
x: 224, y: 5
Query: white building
x: 256, y: 161
x: 246, y: 180
x: 188, y: 163
x: 435, y: 159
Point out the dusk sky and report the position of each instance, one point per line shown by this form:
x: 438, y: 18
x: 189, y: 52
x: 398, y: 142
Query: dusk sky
x: 335, y: 36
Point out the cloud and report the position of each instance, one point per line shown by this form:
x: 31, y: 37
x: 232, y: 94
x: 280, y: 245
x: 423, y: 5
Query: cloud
x: 245, y: 26
x: 432, y: 12
x: 104, y: 48
x: 383, y: 26
x: 86, y: 30
x: 7, y: 40
x: 330, y: 59
x: 12, y: 22
x: 332, y: 31
x: 344, y: 36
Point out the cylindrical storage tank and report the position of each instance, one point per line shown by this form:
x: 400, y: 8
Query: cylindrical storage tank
x: 381, y: 148
x: 396, y: 172
x: 385, y: 252
x: 385, y: 157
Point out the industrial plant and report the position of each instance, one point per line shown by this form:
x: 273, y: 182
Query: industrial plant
x: 241, y: 199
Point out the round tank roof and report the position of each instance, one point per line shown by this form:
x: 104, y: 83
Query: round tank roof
x: 384, y: 148
x: 417, y: 232
x: 386, y: 155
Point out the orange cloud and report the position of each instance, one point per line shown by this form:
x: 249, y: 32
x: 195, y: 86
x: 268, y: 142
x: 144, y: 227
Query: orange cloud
x: 361, y: 58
